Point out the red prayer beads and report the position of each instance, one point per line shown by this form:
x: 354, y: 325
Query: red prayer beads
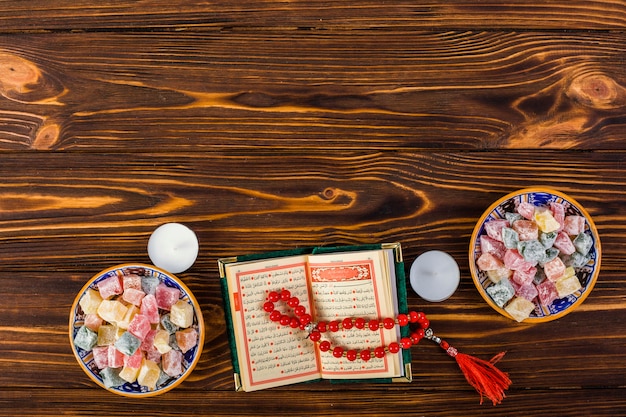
x: 303, y: 321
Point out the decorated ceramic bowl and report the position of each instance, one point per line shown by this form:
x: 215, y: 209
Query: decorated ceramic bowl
x: 581, y: 269
x: 130, y: 355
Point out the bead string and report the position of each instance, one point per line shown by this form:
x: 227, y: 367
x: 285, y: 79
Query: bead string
x: 303, y: 321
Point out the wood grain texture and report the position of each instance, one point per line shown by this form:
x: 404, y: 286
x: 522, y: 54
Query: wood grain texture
x: 273, y: 125
x: 120, y: 15
x: 399, y: 90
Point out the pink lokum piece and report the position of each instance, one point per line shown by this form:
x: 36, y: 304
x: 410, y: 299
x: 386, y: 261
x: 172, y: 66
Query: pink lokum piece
x: 526, y: 209
x: 109, y: 287
x: 116, y: 358
x: 564, y: 244
x: 139, y: 326
x: 166, y: 296
x: 573, y: 225
x: 488, y: 262
x: 172, y: 363
x: 148, y: 341
x: 492, y: 246
x: 523, y: 277
x: 101, y: 356
x: 513, y: 260
x: 133, y: 296
x: 186, y: 339
x: 134, y: 360
x: 554, y: 269
x: 558, y: 212
x: 132, y: 281
x: 494, y: 228
x: 93, y: 321
x: 150, y: 309
x: 526, y: 229
x: 547, y: 292
x: 153, y: 355
x: 527, y: 291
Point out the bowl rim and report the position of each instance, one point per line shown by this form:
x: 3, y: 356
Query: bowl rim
x: 592, y: 228
x: 199, y: 318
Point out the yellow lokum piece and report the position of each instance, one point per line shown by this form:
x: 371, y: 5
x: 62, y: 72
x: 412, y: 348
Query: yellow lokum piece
x: 519, y: 308
x: 546, y: 221
x: 567, y: 285
x: 162, y: 341
x: 496, y: 275
x: 128, y: 317
x: 112, y: 311
x: 149, y: 374
x: 129, y: 374
x: 181, y: 314
x: 90, y: 301
x: 107, y: 334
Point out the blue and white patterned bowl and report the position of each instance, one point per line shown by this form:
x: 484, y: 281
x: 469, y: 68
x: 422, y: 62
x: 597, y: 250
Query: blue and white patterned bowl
x: 85, y: 358
x: 538, y: 196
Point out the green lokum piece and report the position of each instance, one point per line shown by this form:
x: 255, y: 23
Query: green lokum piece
x: 510, y: 238
x: 501, y: 292
x: 85, y: 338
x: 583, y: 243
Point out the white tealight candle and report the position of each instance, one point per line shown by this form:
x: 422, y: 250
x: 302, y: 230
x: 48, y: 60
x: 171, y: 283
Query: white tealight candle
x: 434, y: 276
x: 173, y: 247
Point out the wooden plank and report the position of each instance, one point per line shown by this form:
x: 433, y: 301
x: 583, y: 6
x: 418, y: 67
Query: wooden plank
x: 120, y: 15
x: 382, y: 90
x: 76, y: 209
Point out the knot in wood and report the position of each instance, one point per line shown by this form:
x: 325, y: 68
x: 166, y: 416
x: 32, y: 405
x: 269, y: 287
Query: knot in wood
x: 16, y: 73
x: 597, y: 91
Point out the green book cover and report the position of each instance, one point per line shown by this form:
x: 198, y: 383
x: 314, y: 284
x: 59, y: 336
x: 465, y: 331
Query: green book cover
x: 391, y: 251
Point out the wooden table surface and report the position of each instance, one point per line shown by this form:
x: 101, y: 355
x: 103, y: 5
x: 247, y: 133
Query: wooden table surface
x: 268, y: 125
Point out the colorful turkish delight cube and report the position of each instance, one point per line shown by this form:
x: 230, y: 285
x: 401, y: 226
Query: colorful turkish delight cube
x: 521, y: 277
x: 558, y: 212
x: 85, y: 338
x: 140, y: 326
x: 107, y: 334
x: 131, y: 281
x: 514, y: 261
x: 528, y: 291
x: 112, y: 310
x: 150, y: 309
x: 520, y: 308
x: 554, y: 269
x: 129, y: 374
x: 547, y: 239
x: 488, y: 262
x: 532, y: 251
x: 493, y: 228
x: 166, y: 296
x: 510, y: 238
x: 162, y: 341
x: 546, y: 221
x: 583, y: 243
x: 501, y: 292
x: 127, y: 343
x: 110, y: 286
x: 166, y: 324
x: 172, y: 363
x: 526, y: 209
x: 116, y: 358
x: 181, y: 314
x: 131, y: 312
x: 490, y: 245
x: 576, y: 260
x: 573, y: 225
x: 134, y: 360
x: 111, y: 377
x: 186, y: 339
x: 564, y: 244
x: 133, y: 296
x: 547, y: 292
x: 93, y: 321
x: 90, y: 301
x: 495, y: 275
x: 149, y: 284
x: 526, y: 229
x: 567, y: 285
x: 101, y: 356
x: 149, y: 374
